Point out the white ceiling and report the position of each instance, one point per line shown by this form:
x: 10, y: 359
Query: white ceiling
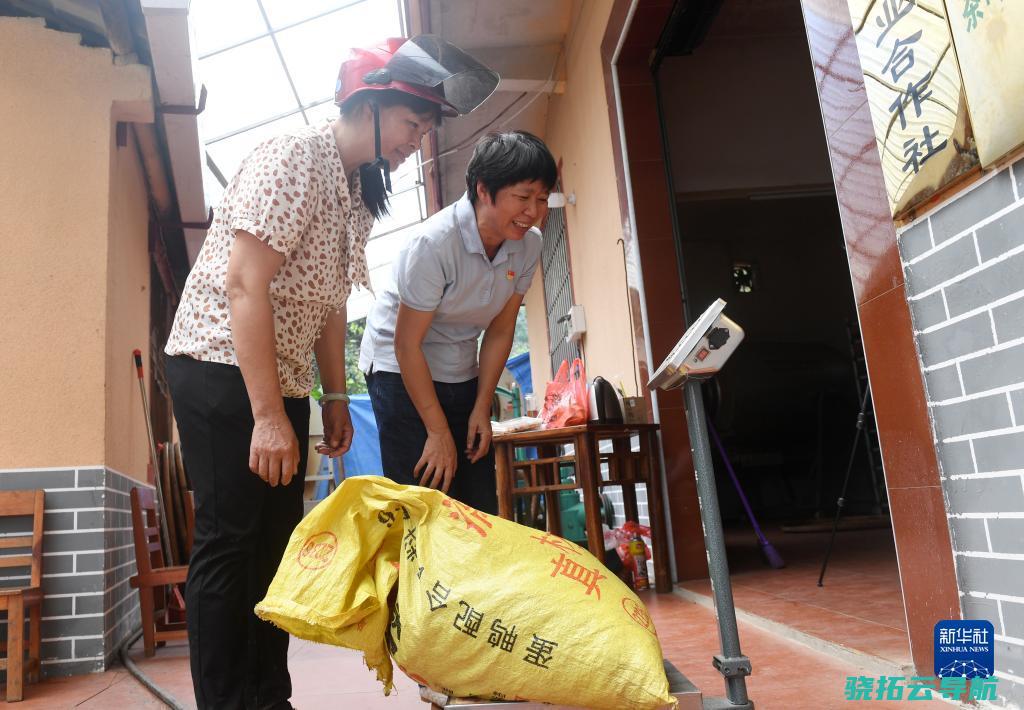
x: 270, y: 72
x: 521, y: 40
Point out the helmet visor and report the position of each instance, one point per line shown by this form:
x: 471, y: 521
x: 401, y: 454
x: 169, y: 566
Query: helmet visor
x: 428, y: 60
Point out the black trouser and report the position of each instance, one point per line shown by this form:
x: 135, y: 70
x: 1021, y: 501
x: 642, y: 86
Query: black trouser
x: 403, y: 434
x: 241, y: 531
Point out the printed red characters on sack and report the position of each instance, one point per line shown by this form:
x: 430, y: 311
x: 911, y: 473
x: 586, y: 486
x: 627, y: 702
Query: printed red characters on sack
x: 638, y: 613
x: 318, y: 550
x: 578, y: 573
x: 559, y: 543
x: 473, y: 518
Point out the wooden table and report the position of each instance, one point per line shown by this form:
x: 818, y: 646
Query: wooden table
x: 626, y: 468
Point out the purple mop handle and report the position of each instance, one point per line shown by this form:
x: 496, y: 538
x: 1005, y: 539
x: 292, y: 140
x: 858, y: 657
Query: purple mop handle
x: 736, y: 482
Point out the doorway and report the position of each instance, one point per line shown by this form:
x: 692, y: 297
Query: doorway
x: 757, y: 224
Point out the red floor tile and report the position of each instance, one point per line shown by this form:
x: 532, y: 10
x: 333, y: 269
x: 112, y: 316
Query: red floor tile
x: 859, y: 606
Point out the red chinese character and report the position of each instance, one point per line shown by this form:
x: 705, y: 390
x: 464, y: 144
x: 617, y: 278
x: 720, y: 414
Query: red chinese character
x: 470, y: 516
x: 578, y: 573
x: 560, y: 544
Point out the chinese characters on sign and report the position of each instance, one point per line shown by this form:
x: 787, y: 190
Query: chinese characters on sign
x: 920, y: 688
x: 986, y: 36
x: 914, y: 95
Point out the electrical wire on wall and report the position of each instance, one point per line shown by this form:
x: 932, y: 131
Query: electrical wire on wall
x: 494, y: 122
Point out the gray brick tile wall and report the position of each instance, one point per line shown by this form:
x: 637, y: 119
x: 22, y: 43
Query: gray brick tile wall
x: 943, y: 383
x: 977, y: 266
x: 1009, y: 320
x: 1006, y: 535
x: 28, y: 480
x: 984, y: 495
x: 58, y: 606
x: 1000, y: 368
x: 88, y: 606
x: 956, y: 339
x: 59, y: 521
x: 1001, y: 576
x: 1017, y: 402
x: 969, y: 536
x: 972, y: 207
x: 1013, y: 614
x: 89, y: 562
x: 1011, y: 657
x: 981, y: 608
x: 78, y: 626
x: 76, y: 584
x: 972, y: 416
x: 915, y: 241
x: 1001, y: 235
x: 89, y: 648
x: 992, y: 283
x: 62, y: 668
x: 1000, y: 453
x: 55, y: 650
x: 89, y: 519
x: 955, y: 458
x: 942, y: 265
x: 929, y: 311
x: 72, y: 542
x: 58, y: 564
x: 72, y: 500
x: 91, y: 477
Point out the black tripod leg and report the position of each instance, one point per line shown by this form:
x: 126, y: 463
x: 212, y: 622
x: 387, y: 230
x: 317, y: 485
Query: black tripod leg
x: 846, y: 482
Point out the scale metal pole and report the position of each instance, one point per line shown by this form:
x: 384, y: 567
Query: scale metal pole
x: 732, y: 664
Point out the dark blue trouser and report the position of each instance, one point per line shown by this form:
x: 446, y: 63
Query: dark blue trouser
x: 402, y: 436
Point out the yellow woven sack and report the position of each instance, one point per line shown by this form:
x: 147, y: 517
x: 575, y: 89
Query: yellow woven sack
x: 467, y: 603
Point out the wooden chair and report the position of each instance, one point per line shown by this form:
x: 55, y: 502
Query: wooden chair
x: 16, y: 600
x: 153, y: 576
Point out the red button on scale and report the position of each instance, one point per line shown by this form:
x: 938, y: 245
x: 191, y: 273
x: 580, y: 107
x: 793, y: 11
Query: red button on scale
x: 702, y: 354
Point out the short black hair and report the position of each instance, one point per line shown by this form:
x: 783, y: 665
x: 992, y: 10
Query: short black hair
x: 375, y: 197
x: 503, y: 159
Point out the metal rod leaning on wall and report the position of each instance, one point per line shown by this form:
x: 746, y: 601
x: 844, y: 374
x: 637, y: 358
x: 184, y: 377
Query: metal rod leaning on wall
x: 732, y: 664
x: 165, y: 535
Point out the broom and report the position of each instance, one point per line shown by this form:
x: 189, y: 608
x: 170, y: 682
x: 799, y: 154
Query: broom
x: 771, y: 555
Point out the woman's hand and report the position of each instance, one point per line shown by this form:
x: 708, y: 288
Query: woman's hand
x: 338, y: 429
x: 436, y: 467
x: 274, y: 450
x: 478, y: 443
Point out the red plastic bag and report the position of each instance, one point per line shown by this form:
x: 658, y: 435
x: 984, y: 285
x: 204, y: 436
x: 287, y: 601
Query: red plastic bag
x: 565, y: 400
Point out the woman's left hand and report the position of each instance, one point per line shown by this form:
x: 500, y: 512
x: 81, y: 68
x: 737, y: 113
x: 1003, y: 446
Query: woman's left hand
x: 478, y: 443
x: 338, y: 429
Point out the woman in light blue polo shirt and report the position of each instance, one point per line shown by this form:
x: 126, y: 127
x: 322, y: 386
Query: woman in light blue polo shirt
x: 465, y: 273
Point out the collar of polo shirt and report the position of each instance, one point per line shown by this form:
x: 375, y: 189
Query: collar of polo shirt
x: 466, y: 217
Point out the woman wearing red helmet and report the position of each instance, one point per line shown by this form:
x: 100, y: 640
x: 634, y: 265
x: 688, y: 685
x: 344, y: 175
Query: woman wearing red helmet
x: 267, y: 291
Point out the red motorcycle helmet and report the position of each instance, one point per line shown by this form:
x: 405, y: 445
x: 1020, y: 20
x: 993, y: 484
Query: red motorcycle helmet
x: 425, y: 66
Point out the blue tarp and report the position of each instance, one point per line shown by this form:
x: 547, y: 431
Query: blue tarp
x: 363, y: 459
x: 519, y: 366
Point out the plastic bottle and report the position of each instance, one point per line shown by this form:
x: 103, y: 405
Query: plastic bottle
x: 638, y: 550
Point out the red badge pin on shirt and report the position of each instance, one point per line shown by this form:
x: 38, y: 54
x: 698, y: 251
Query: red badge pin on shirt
x: 510, y: 274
